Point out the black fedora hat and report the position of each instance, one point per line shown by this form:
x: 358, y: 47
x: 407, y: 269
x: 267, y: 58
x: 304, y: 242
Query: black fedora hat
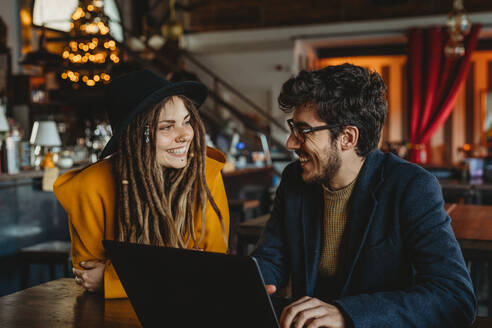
x: 136, y: 92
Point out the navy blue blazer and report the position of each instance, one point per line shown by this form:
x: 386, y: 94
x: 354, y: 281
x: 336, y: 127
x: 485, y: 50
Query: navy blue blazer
x: 403, y: 266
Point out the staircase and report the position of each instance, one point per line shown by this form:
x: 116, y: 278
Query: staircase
x: 274, y: 148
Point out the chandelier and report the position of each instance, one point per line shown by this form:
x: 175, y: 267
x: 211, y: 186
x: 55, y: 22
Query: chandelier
x: 458, y: 26
x: 91, y: 50
x: 172, y: 29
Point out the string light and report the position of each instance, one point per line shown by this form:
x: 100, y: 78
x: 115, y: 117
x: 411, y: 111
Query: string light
x: 91, y: 50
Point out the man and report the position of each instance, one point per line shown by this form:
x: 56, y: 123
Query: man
x: 363, y: 236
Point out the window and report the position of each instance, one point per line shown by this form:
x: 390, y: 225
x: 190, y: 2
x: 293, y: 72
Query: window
x: 57, y: 15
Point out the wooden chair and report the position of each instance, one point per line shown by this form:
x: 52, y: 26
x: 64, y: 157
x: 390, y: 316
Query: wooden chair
x: 240, y: 210
x: 51, y: 253
x: 248, y: 232
x: 482, y: 322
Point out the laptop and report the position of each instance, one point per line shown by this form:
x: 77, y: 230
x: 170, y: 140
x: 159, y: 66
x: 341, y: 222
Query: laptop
x: 171, y: 287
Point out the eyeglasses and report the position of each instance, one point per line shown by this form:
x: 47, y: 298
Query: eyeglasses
x: 300, y: 133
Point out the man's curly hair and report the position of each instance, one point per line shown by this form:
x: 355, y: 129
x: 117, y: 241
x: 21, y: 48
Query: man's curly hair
x: 343, y: 95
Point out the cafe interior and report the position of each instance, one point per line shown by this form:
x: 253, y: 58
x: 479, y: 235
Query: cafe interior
x: 56, y: 56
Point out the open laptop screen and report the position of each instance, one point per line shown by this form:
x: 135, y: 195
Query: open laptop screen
x: 171, y: 287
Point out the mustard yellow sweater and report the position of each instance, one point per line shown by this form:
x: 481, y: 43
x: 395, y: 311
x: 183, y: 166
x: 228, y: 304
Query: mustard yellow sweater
x: 335, y: 220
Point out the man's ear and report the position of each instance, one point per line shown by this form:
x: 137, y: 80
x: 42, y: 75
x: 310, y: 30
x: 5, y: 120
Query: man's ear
x: 349, y: 137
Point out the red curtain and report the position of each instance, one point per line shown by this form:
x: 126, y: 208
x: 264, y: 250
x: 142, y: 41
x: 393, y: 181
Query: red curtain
x: 435, y: 81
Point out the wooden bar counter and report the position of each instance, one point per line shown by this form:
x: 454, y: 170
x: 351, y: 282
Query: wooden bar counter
x: 62, y: 303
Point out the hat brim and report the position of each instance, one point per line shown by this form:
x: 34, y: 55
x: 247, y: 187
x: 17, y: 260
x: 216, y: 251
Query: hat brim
x: 196, y: 91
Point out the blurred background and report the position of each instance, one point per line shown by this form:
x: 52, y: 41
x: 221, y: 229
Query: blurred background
x: 57, y: 55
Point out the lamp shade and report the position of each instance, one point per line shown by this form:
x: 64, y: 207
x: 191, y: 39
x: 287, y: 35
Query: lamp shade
x: 45, y: 133
x: 4, y: 124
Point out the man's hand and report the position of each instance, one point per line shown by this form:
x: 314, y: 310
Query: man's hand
x: 92, y: 277
x: 310, y: 312
x: 271, y: 289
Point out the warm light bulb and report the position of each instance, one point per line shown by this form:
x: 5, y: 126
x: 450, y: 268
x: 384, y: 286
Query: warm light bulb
x: 25, y: 17
x: 78, y: 14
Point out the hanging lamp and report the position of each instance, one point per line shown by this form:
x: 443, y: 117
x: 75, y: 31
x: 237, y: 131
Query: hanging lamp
x: 172, y: 29
x: 458, y: 25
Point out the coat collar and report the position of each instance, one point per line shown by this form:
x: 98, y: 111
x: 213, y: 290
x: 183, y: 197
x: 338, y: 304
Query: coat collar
x: 362, y: 211
x: 312, y: 216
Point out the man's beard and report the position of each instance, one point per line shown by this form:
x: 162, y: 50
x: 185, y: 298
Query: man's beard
x: 329, y: 170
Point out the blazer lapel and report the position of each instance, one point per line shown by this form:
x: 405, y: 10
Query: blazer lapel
x: 362, y: 211
x: 312, y: 215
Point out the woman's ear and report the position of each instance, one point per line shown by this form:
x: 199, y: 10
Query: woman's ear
x: 349, y: 137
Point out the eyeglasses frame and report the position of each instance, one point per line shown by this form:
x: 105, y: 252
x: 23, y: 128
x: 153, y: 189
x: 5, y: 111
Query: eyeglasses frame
x: 303, y: 132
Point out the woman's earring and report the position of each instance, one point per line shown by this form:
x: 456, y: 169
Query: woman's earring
x: 147, y: 133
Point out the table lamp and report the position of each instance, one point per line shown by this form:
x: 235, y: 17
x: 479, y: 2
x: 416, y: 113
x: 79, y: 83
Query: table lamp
x: 4, y: 124
x: 45, y: 134
x: 4, y: 130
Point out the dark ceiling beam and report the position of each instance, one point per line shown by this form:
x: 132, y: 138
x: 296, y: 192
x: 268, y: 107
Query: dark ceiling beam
x: 369, y: 50
x: 379, y: 49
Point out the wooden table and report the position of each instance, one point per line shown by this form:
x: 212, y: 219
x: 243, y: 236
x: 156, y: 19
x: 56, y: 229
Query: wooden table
x: 472, y: 225
x: 62, y: 303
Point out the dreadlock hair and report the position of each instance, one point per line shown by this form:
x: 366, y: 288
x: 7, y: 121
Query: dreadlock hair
x: 160, y: 205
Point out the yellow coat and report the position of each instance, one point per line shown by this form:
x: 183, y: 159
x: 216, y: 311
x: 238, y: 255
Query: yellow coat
x: 88, y: 196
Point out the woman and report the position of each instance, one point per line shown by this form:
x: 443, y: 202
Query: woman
x: 160, y: 186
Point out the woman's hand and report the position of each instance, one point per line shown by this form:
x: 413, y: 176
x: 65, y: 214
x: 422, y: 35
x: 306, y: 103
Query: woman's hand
x: 92, y: 277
